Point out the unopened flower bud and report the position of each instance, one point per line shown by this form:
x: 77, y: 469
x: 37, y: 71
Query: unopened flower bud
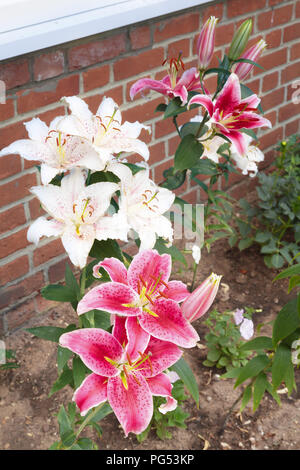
x: 200, y: 300
x: 243, y: 68
x: 240, y: 40
x: 206, y: 42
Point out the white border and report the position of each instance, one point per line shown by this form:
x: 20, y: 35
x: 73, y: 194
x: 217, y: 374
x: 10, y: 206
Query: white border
x: 69, y: 22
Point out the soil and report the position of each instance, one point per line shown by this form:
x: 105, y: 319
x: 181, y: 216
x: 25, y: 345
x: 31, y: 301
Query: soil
x: 27, y: 414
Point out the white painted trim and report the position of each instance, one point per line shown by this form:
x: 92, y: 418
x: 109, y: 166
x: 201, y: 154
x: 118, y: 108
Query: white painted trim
x: 40, y: 24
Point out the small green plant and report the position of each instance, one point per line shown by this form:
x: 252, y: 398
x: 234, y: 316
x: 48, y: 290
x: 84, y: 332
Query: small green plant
x: 274, y: 358
x: 224, y: 340
x: 10, y: 362
x: 162, y: 423
x: 274, y: 222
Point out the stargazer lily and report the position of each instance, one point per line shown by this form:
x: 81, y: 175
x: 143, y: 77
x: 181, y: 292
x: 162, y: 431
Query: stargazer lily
x: 171, y: 85
x: 248, y: 162
x: 145, y: 292
x: 78, y: 215
x: 57, y: 151
x: 230, y: 113
x: 144, y: 205
x: 122, y: 373
x: 105, y: 130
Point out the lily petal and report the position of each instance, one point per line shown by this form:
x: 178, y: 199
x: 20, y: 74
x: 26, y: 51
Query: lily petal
x: 113, y: 297
x: 162, y: 354
x: 115, y: 269
x: 148, y: 84
x: 37, y: 129
x: 133, y: 406
x: 169, y: 324
x: 42, y: 227
x: 230, y: 96
x: 138, y: 339
x: 91, y: 392
x: 94, y: 346
x: 177, y: 291
x: 149, y: 266
x: 160, y: 385
x: 78, y: 246
x: 203, y: 100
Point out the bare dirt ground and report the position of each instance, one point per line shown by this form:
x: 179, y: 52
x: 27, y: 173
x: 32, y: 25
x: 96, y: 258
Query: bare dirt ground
x: 27, y: 414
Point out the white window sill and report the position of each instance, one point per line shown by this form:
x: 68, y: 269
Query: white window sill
x: 36, y: 28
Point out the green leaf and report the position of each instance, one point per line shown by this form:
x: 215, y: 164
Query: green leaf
x: 262, y: 237
x: 160, y: 108
x: 63, y: 355
x: 257, y: 344
x: 291, y: 271
x: 63, y: 421
x: 286, y: 321
x: 59, y: 293
x: 293, y: 282
x: 248, y: 61
x: 173, y: 179
x: 277, y: 260
x: 50, y: 333
x: 102, y: 320
x: 204, y: 167
x: 106, y: 249
x: 246, y: 397
x: 188, y: 153
x: 175, y: 106
x: 185, y: 373
x: 79, y: 371
x: 246, y: 91
x: 244, y: 227
x: 245, y: 243
x: 281, y: 362
x: 71, y: 282
x: 252, y: 368
x: 103, y: 411
x: 260, y: 386
x: 65, y: 378
x: 175, y: 253
x: 191, y: 128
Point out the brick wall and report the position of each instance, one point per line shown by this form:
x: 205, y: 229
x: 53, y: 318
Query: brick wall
x: 107, y: 64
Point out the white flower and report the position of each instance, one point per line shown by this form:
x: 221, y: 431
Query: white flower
x: 247, y: 162
x: 296, y: 353
x: 238, y: 316
x: 247, y: 329
x: 104, y: 129
x: 77, y: 213
x: 144, y: 204
x: 57, y: 150
x: 196, y: 253
x: 211, y: 146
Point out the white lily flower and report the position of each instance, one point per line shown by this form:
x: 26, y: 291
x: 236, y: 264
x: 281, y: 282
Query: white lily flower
x: 104, y: 130
x: 57, y: 151
x: 247, y: 162
x: 196, y: 253
x: 144, y: 204
x: 211, y: 146
x: 77, y: 213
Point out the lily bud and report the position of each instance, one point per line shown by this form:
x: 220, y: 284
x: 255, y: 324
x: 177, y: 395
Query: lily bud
x: 240, y: 40
x: 206, y: 42
x: 243, y: 68
x: 200, y: 300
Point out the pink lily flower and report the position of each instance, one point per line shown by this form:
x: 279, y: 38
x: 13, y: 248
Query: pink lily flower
x: 229, y: 113
x: 145, y: 292
x: 171, y: 85
x: 200, y: 300
x: 206, y: 42
x: 242, y: 69
x: 121, y: 374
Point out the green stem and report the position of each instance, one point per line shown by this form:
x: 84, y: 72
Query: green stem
x: 85, y: 422
x: 176, y: 125
x: 194, y: 276
x: 82, y: 282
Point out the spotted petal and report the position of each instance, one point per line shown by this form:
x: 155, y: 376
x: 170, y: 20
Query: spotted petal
x: 94, y: 346
x: 162, y: 354
x: 148, y: 266
x: 91, y: 392
x: 160, y: 385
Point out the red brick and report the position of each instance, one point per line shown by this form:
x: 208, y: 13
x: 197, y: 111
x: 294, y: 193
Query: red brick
x: 163, y: 128
x: 290, y: 73
x: 145, y: 92
x: 275, y: 2
x: 12, y: 218
x: 35, y: 209
x: 175, y: 48
x: 274, y: 18
x: 9, y: 165
x: 57, y: 271
x: 13, y: 270
x: 157, y: 152
x: 48, y: 65
x: 224, y: 34
x: 271, y: 138
x: 270, y: 81
x: 47, y: 252
x: 12, y: 294
x: 240, y: 190
x: 143, y: 112
x: 11, y: 133
x: 140, y: 37
x: 137, y: 64
x: 43, y: 95
x: 183, y: 24
x: 13, y: 243
x: 191, y: 198
x: 241, y: 7
x: 16, y: 189
x: 159, y: 169
x: 295, y: 51
x: 97, y: 51
x: 287, y: 111
x: 173, y: 144
x: 2, y: 329
x: 96, y: 77
x: 297, y: 10
x: 292, y: 128
x: 272, y: 116
x: 94, y: 101
x: 15, y: 73
x: 43, y: 305
x: 273, y: 38
x: 291, y: 32
x: 272, y: 60
x: 7, y: 109
x: 214, y: 10
x: 20, y: 315
x: 254, y: 85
